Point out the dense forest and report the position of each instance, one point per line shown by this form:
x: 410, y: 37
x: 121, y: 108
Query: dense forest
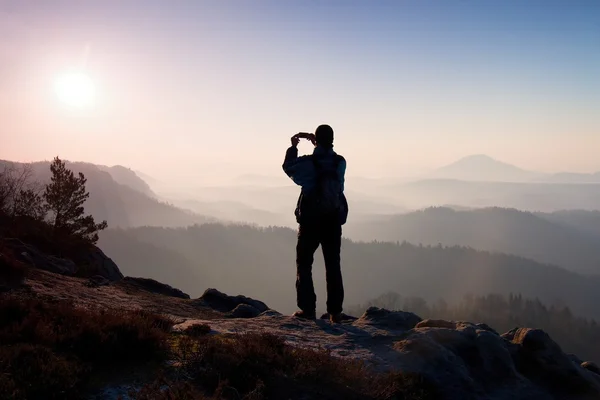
x: 566, y: 239
x: 574, y: 334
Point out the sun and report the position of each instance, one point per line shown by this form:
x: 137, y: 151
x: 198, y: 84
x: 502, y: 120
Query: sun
x: 75, y: 89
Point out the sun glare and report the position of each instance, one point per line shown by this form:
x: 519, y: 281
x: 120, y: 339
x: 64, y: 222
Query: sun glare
x: 75, y: 89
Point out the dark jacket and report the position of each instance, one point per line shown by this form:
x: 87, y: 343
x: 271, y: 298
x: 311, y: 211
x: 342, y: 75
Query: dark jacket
x: 303, y: 172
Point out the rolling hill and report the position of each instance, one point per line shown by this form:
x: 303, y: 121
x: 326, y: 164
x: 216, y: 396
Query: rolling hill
x: 126, y: 204
x: 532, y: 196
x: 541, y: 237
x: 570, y: 177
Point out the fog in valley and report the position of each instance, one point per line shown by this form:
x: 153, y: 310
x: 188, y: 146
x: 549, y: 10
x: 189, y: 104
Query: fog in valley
x: 240, y: 237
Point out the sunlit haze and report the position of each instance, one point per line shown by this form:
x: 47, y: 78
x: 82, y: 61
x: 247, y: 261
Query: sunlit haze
x: 210, y: 89
x: 75, y: 89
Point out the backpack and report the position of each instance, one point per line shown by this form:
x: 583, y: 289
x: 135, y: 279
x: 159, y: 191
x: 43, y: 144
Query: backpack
x: 326, y: 202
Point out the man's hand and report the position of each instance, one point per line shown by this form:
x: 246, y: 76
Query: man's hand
x: 295, y: 140
x: 304, y: 135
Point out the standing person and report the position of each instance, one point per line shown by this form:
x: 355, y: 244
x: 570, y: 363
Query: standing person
x: 321, y: 211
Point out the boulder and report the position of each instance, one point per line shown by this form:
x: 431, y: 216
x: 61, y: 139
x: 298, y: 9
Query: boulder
x: 463, y: 361
x: 224, y: 303
x: 86, y: 262
x: 244, y: 311
x: 152, y: 286
x: 29, y: 255
x: 436, y: 323
x: 388, y: 319
x: 575, y: 359
x: 93, y: 261
x: 542, y: 361
x: 590, y: 366
x: 468, y: 327
x: 486, y: 327
x: 270, y: 313
x: 60, y: 266
x: 97, y: 281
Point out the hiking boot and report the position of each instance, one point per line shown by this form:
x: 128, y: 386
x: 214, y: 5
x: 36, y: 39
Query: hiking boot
x: 335, y: 318
x: 305, y: 315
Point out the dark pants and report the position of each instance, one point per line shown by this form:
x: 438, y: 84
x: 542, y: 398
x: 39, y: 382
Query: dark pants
x: 329, y: 236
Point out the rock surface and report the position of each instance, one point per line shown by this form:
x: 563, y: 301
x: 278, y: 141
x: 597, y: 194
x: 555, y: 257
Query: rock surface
x: 344, y: 317
x: 590, y: 366
x: 87, y: 262
x: 464, y: 360
x: 542, y: 360
x: 32, y: 257
x: 244, y: 311
x: 224, y: 303
x: 153, y: 286
x: 97, y: 281
x: 387, y: 319
x: 93, y: 261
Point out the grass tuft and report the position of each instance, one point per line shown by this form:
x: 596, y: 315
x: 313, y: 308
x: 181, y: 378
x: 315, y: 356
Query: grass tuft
x: 48, y: 350
x: 258, y: 366
x: 12, y: 272
x: 197, y: 330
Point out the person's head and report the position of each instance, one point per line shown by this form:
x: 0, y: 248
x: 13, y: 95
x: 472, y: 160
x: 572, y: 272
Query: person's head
x: 324, y: 136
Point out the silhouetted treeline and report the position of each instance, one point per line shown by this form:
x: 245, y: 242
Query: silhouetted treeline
x: 566, y: 239
x: 260, y: 262
x: 58, y: 205
x: 582, y: 220
x: 118, y: 196
x: 574, y: 334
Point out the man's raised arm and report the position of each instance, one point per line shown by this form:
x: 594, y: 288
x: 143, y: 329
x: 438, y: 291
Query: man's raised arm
x: 296, y: 167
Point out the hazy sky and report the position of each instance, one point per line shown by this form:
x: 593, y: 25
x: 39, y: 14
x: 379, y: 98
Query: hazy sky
x: 406, y: 85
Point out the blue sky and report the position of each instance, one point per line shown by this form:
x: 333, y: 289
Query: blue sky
x: 407, y: 85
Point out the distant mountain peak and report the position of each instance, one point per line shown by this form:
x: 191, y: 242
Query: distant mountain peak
x: 483, y: 158
x: 481, y: 167
x: 478, y: 157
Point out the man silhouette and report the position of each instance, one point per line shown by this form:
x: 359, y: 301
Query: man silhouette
x: 321, y: 211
